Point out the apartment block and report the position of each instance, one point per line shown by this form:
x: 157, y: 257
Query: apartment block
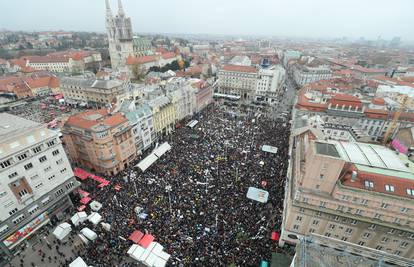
x: 35, y: 180
x: 355, y: 192
x: 100, y: 141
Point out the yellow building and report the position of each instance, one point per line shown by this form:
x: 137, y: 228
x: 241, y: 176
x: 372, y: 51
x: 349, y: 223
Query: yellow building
x: 164, y: 113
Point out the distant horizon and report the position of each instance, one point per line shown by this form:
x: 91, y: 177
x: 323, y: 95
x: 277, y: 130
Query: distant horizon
x: 316, y: 19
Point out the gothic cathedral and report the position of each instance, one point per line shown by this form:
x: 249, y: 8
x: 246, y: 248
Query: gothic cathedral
x: 120, y: 36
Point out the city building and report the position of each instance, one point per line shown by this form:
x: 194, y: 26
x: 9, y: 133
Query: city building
x: 92, y: 92
x: 289, y: 55
x: 120, y: 36
x: 100, y: 141
x: 36, y: 179
x: 183, y: 97
x: 355, y: 192
x: 164, y: 114
x: 237, y: 80
x: 37, y: 84
x: 142, y: 123
x: 308, y: 70
x: 270, y: 83
x: 204, y: 95
x: 142, y: 46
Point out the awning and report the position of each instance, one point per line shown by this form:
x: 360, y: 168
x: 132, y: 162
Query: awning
x: 79, y: 218
x: 85, y: 200
x: 95, y: 218
x: 192, y: 124
x: 89, y: 234
x: 162, y: 149
x: 62, y: 230
x: 146, y: 241
x: 147, y: 162
x: 136, y: 236
x: 257, y: 194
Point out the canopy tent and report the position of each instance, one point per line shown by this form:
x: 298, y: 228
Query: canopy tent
x: 257, y: 194
x: 147, y: 252
x: 80, y: 173
x: 95, y: 218
x: 78, y: 262
x: 81, y: 208
x: 89, y: 234
x: 83, y: 193
x: 79, y: 218
x: 147, y: 162
x: 106, y: 226
x: 192, y: 124
x: 85, y: 200
x: 146, y: 241
x: 270, y: 149
x: 136, y: 236
x: 95, y: 205
x: 62, y: 230
x: 83, y: 238
x: 162, y: 149
x: 135, y: 251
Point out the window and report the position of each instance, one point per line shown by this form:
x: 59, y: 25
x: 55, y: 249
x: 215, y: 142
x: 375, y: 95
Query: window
x: 42, y: 159
x: 397, y: 220
x: 377, y: 216
x: 358, y: 212
x: 344, y: 238
x: 348, y: 230
x: 410, y: 191
x: 48, y: 168
x: 385, y: 239
x: 28, y: 166
x: 389, y: 188
x: 353, y: 222
x: 3, y: 193
x: 18, y: 219
x: 378, y: 247
x: 341, y: 208
x: 299, y: 218
x: 372, y: 227
x: 366, y: 235
x: 302, y: 210
x: 51, y: 177
x: 404, y: 209
x: 336, y: 218
x: 13, y: 211
x: 384, y: 205
x: 70, y: 185
x: 327, y: 234
x: 55, y: 152
x: 315, y: 222
x: 23, y: 192
x: 332, y: 226
x: 51, y: 143
x: 12, y: 175
x: 38, y: 185
x: 364, y: 202
x: 397, y: 252
x: 318, y: 213
x: 369, y: 184
x: 322, y: 204
x: 295, y: 227
x: 59, y: 192
x: 311, y: 230
x: 391, y: 231
x: 22, y: 156
x: 60, y: 161
x: 5, y: 164
x: 33, y: 209
x: 63, y: 170
x: 37, y: 149
x: 404, y: 244
x: 361, y: 243
x: 321, y: 176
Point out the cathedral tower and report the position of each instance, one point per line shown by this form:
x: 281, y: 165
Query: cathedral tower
x: 120, y: 35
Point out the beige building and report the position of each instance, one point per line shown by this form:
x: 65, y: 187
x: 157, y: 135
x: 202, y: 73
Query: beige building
x: 100, y: 141
x: 92, y: 92
x: 164, y: 113
x: 355, y: 192
x: 238, y: 80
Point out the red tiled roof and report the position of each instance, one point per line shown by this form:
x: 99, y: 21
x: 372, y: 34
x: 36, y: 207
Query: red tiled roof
x: 378, y: 101
x: 344, y: 99
x: 168, y: 55
x: 237, y: 68
x: 81, y: 120
x: 131, y: 60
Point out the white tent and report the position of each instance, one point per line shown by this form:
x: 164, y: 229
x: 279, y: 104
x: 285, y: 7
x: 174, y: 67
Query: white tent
x: 95, y: 205
x: 135, y: 251
x: 147, y: 252
x: 95, y: 218
x: 270, y: 149
x: 62, y: 230
x: 83, y: 238
x: 78, y: 262
x: 162, y: 149
x: 106, y: 226
x: 192, y: 124
x: 79, y: 218
x: 257, y: 194
x: 89, y: 234
x: 147, y: 162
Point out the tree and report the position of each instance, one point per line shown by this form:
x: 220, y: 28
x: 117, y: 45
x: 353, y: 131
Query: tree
x: 138, y: 72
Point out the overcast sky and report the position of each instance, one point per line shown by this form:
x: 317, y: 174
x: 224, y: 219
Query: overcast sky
x: 307, y: 18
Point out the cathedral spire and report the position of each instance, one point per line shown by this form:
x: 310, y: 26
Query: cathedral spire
x: 121, y: 12
x: 108, y: 9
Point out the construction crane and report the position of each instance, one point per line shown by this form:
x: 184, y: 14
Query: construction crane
x: 394, y: 121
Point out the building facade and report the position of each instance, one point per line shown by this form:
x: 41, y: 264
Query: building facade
x: 355, y: 192
x: 238, y: 80
x: 164, y: 113
x: 100, y: 141
x: 35, y: 180
x: 92, y: 92
x: 270, y: 83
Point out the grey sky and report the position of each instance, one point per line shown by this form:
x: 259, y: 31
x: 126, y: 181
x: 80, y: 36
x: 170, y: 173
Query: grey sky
x: 308, y: 18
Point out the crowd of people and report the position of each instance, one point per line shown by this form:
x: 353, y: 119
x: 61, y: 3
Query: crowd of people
x: 194, y: 197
